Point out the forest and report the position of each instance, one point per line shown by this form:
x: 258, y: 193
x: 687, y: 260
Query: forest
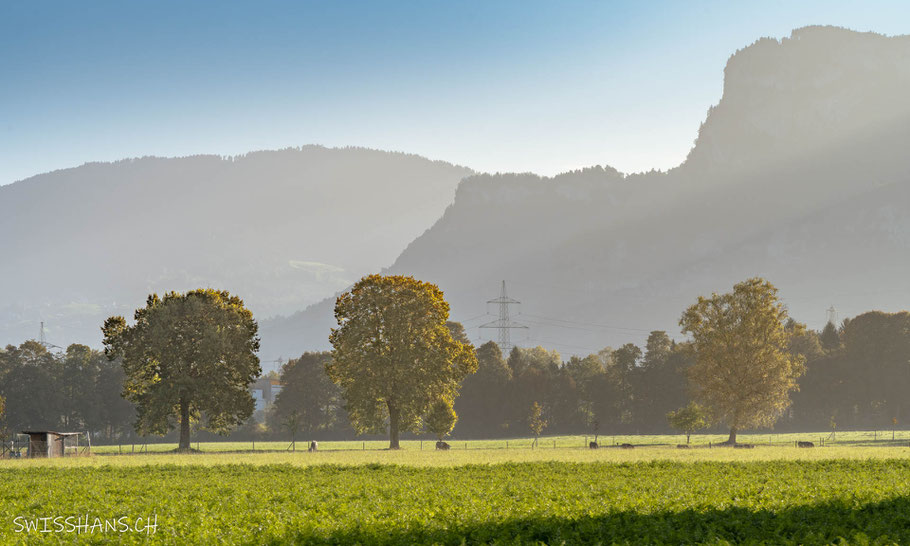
x: 856, y: 376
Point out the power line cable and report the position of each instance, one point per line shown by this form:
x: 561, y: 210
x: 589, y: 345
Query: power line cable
x: 607, y: 326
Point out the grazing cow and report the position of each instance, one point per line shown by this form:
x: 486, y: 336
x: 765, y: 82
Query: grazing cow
x: 682, y: 446
x: 313, y: 446
x: 442, y: 445
x: 805, y: 444
x: 626, y: 446
x: 593, y: 445
x: 744, y: 446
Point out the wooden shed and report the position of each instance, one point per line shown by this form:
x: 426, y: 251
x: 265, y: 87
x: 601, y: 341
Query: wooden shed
x: 49, y: 443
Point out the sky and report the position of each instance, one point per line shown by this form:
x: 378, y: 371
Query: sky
x: 498, y: 86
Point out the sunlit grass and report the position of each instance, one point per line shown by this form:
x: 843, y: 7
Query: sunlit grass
x: 852, y: 438
x: 476, y: 455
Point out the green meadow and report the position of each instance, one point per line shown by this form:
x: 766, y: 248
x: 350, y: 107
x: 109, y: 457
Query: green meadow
x: 855, y: 492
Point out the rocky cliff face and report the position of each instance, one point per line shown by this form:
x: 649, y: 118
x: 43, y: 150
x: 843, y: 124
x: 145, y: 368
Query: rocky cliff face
x: 800, y: 173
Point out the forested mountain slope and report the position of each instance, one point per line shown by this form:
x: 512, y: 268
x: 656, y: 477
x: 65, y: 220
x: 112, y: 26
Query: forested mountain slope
x: 800, y: 174
x: 282, y: 229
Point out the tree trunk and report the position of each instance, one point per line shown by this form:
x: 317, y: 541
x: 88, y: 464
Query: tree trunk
x: 394, y: 417
x: 687, y: 438
x: 184, y: 425
x: 732, y: 439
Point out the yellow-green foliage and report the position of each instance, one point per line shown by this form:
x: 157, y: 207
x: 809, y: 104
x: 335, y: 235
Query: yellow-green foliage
x: 393, y: 354
x: 744, y: 371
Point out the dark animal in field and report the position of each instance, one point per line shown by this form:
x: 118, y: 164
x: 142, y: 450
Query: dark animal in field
x: 744, y: 446
x: 682, y: 446
x: 626, y: 446
x: 442, y: 445
x: 313, y: 446
x: 805, y: 444
x: 593, y: 445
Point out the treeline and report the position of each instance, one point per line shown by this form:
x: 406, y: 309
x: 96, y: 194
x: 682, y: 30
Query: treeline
x: 857, y: 376
x: 79, y: 389
x: 626, y: 389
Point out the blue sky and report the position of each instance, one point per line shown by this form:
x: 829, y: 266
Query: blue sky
x: 497, y: 86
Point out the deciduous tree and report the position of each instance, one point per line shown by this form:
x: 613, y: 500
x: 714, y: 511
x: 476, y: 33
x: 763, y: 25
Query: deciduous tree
x: 536, y: 421
x: 743, y: 371
x: 188, y: 356
x: 441, y: 419
x: 307, y: 389
x: 688, y: 419
x: 394, y: 354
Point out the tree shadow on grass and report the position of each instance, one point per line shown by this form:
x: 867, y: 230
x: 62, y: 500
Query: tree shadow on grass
x: 886, y: 522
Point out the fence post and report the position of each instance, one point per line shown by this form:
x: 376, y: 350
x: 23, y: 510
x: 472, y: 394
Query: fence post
x: 364, y: 446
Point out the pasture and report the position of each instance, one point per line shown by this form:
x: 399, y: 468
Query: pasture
x: 850, y: 493
x: 851, y: 438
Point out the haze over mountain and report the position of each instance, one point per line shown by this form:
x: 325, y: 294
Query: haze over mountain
x: 799, y: 174
x: 282, y: 229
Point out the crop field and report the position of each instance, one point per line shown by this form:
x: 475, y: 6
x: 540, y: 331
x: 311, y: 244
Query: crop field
x: 567, y: 495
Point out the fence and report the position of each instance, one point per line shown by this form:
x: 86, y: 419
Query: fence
x: 820, y: 439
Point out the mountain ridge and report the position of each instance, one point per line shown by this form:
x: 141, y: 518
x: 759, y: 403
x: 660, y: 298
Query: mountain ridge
x: 585, y: 245
x: 89, y: 241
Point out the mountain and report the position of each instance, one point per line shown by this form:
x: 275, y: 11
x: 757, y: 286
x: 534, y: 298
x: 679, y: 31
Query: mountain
x: 282, y: 229
x: 799, y: 174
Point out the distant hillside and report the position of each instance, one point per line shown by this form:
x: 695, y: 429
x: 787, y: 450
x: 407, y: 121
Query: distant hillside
x: 800, y: 173
x: 283, y: 229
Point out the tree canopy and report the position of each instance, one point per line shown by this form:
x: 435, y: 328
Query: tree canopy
x: 441, y: 418
x: 188, y: 356
x: 307, y: 390
x: 75, y: 389
x: 743, y: 371
x: 688, y: 419
x: 393, y: 354
x: 536, y: 421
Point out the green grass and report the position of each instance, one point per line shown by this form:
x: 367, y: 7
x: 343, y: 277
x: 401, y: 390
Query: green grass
x: 461, y: 457
x: 857, y: 438
x: 853, y: 491
x: 857, y: 501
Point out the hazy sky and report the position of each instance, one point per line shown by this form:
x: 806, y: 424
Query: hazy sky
x: 494, y: 85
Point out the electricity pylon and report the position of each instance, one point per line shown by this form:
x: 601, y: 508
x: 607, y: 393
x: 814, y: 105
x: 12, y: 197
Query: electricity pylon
x: 504, y: 323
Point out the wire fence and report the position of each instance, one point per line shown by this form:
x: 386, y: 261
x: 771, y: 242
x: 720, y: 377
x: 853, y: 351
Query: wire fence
x: 817, y: 439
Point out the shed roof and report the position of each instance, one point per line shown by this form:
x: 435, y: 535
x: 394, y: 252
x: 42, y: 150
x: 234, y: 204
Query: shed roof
x: 51, y: 432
